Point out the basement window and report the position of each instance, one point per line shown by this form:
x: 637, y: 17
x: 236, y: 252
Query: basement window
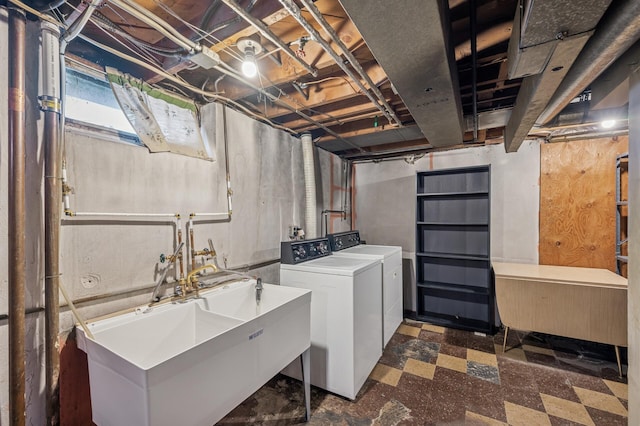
x: 89, y: 102
x: 135, y: 112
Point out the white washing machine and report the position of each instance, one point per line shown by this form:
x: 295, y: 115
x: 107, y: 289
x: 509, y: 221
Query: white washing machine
x: 346, y: 319
x: 348, y: 244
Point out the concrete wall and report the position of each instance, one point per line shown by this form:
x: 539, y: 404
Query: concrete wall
x: 633, y: 295
x: 385, y: 202
x: 114, y: 262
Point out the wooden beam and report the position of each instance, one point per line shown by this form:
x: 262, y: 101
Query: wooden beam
x: 334, y: 90
x: 273, y: 74
x: 335, y: 111
x: 356, y: 128
x: 172, y: 66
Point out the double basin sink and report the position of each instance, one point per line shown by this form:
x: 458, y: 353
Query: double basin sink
x: 192, y: 363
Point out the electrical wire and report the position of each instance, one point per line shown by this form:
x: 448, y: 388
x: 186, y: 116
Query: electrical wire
x: 188, y: 86
x: 322, y: 80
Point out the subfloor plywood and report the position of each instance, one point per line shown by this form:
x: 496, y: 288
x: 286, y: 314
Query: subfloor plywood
x: 577, y: 202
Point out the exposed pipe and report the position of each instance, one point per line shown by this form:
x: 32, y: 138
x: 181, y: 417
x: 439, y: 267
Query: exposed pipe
x: 285, y: 105
x: 474, y: 66
x: 78, y: 25
x: 220, y: 216
x: 325, y: 215
x: 311, y: 214
x: 50, y: 105
x: 213, y: 216
x: 618, y: 30
x: 295, y: 11
x: 139, y: 12
x: 352, y: 59
x: 16, y: 215
x: 118, y: 214
x: 226, y: 160
x: 269, y: 35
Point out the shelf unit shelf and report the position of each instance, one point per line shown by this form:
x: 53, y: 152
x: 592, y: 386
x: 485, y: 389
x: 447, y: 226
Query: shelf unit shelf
x: 453, y: 256
x: 453, y: 268
x: 451, y: 224
x: 452, y: 194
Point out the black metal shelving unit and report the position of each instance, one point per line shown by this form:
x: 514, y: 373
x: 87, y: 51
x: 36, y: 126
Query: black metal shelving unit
x: 453, y: 268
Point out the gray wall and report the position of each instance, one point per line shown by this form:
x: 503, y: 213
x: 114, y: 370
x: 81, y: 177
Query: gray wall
x: 385, y: 202
x: 633, y: 295
x: 115, y: 261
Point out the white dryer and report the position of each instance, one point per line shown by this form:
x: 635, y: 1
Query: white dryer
x: 346, y: 319
x: 348, y: 244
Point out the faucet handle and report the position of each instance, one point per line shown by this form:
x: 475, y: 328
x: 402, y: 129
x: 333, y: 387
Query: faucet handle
x: 212, y: 250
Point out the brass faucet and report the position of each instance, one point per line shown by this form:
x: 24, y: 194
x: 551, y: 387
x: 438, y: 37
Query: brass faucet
x: 191, y: 283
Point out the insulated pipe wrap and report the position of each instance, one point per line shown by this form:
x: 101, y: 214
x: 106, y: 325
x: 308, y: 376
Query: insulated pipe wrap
x: 311, y: 214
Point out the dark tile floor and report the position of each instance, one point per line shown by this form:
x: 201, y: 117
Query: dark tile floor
x: 429, y: 375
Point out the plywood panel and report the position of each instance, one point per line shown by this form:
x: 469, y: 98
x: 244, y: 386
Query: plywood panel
x: 577, y: 202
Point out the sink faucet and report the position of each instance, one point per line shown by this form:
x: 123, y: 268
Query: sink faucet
x: 192, y: 283
x: 163, y: 274
x: 259, y: 289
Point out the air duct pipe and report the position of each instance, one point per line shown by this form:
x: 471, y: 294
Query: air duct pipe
x: 16, y: 215
x: 311, y: 214
x: 50, y: 105
x: 616, y: 32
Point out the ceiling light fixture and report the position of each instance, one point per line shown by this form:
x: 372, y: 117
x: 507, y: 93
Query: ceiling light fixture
x: 250, y: 48
x: 607, y: 124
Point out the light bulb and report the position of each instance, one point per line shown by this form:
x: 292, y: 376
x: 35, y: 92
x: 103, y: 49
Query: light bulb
x: 249, y: 68
x: 607, y: 124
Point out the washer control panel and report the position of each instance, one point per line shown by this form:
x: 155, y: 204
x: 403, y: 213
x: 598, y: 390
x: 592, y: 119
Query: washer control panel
x: 293, y: 252
x: 344, y: 240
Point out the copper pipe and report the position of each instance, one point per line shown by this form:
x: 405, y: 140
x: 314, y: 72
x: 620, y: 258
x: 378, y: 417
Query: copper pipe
x: 180, y: 260
x: 16, y: 216
x: 193, y: 249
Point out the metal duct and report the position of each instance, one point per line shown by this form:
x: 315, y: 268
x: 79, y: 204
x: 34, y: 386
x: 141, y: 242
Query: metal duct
x: 547, y: 38
x: 611, y: 89
x: 418, y: 60
x: 16, y: 215
x: 539, y: 25
x: 619, y: 29
x: 536, y: 91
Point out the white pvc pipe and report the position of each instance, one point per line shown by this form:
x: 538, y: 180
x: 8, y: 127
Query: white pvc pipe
x: 311, y: 214
x: 214, y: 216
x: 121, y: 214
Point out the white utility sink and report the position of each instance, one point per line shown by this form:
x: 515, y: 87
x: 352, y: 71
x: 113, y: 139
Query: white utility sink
x: 191, y: 363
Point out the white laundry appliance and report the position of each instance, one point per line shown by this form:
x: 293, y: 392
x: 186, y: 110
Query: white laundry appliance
x: 349, y: 244
x: 346, y: 315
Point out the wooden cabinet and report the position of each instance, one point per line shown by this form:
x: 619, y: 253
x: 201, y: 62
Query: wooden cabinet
x: 453, y: 270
